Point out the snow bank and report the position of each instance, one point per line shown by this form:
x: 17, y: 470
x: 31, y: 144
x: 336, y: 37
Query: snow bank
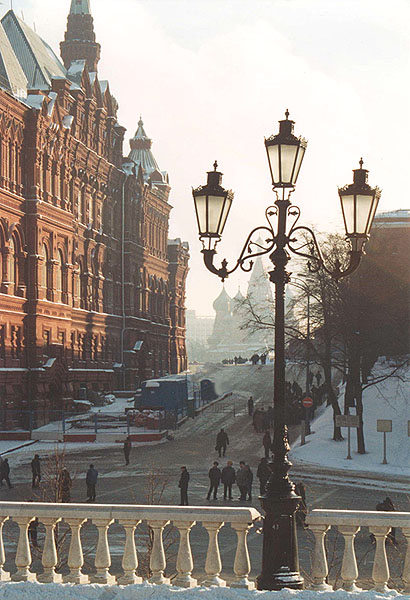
x: 389, y: 399
x: 146, y: 591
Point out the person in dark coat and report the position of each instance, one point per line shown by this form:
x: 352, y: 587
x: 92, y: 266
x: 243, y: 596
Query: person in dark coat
x: 242, y: 480
x: 36, y: 471
x: 250, y: 481
x: 301, y: 511
x: 64, y: 485
x: 228, y: 479
x: 263, y: 474
x: 387, y: 505
x: 250, y: 406
x: 222, y: 441
x: 91, y: 481
x: 183, y: 486
x: 214, y: 475
x: 127, y: 450
x: 267, y: 443
x: 5, y: 472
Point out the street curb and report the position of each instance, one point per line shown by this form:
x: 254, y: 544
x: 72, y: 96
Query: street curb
x: 313, y: 470
x: 30, y: 443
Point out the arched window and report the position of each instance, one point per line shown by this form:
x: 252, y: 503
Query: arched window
x: 44, y: 267
x: 13, y: 262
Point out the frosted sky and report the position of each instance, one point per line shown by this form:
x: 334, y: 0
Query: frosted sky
x: 211, y: 78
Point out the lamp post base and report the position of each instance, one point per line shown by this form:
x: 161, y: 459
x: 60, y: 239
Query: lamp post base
x: 280, y: 563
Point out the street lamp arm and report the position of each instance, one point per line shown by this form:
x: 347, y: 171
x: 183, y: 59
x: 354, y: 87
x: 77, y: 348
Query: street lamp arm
x: 316, y: 258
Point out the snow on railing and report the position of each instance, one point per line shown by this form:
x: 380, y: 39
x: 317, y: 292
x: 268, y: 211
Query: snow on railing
x: 348, y: 523
x: 129, y: 517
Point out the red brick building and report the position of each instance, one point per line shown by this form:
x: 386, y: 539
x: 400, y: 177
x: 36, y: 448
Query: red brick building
x: 92, y: 292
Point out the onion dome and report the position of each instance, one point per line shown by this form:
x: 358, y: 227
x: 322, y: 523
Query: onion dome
x: 223, y: 302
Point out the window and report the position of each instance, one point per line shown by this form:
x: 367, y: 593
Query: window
x: 12, y: 258
x: 44, y: 267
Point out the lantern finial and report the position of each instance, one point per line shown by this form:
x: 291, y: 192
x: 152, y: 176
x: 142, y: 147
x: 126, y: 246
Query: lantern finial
x: 215, y: 165
x: 287, y: 114
x: 361, y: 163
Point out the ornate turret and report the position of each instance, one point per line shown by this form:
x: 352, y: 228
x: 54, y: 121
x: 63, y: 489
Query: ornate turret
x: 141, y: 155
x: 79, y: 40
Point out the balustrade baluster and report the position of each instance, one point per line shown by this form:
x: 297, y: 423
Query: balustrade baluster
x: 406, y: 567
x: 349, y: 572
x: 102, y: 553
x: 381, y: 573
x: 319, y: 564
x: 213, y: 564
x: 185, y: 563
x: 75, y: 554
x: 158, y: 560
x: 242, y: 564
x: 49, y: 557
x: 23, y: 554
x: 129, y: 559
x: 4, y: 575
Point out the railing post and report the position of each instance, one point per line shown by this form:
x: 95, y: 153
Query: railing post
x: 75, y: 554
x: 49, y: 558
x: 102, y: 553
x: 380, y: 574
x: 213, y: 564
x: 406, y: 569
x: 185, y: 563
x: 349, y: 565
x: 158, y: 560
x: 319, y: 564
x: 23, y: 554
x: 4, y: 575
x: 129, y: 559
x: 242, y: 564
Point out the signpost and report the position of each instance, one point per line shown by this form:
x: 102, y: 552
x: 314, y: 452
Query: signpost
x: 307, y: 404
x: 348, y: 421
x: 385, y: 426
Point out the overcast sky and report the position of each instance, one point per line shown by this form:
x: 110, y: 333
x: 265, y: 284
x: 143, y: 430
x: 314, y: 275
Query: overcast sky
x: 211, y: 78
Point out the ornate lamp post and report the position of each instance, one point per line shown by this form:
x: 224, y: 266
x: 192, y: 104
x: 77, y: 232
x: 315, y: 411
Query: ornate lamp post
x: 280, y: 563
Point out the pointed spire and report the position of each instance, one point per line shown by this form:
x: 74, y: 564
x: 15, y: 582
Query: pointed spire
x: 141, y: 150
x: 79, y: 40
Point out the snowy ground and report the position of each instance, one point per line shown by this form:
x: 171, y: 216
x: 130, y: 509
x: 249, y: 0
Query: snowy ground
x: 146, y: 591
x: 389, y: 399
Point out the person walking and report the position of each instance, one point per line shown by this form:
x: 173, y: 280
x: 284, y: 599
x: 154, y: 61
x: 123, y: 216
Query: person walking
x: 242, y: 480
x: 263, y: 473
x: 222, y: 441
x: 387, y: 505
x: 127, y: 450
x: 250, y: 406
x: 228, y: 479
x: 250, y: 481
x: 36, y: 471
x: 91, y: 481
x: 267, y: 443
x: 64, y: 485
x: 183, y: 486
x: 5, y: 472
x: 214, y: 475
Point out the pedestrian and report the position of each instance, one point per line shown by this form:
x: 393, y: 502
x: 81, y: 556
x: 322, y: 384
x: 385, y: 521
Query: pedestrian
x: 214, y: 475
x: 36, y: 471
x: 242, y: 480
x: 263, y: 473
x: 250, y: 406
x: 91, y: 481
x: 301, y: 510
x: 267, y: 443
x: 222, y: 441
x: 228, y: 479
x: 387, y: 505
x: 250, y: 481
x: 127, y: 450
x: 183, y: 486
x: 64, y: 485
x: 5, y: 472
x: 33, y: 532
x: 270, y: 416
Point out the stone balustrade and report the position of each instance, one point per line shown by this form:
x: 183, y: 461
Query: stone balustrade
x: 348, y: 524
x: 129, y: 517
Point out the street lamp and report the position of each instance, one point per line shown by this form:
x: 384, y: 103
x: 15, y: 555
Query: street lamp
x: 280, y: 563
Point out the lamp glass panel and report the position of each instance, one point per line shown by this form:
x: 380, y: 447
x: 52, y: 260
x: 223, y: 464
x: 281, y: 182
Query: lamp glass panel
x: 215, y: 208
x: 200, y: 206
x: 299, y: 160
x: 363, y: 210
x: 348, y: 212
x: 225, y: 213
x: 273, y: 155
x: 287, y: 162
x: 372, y: 213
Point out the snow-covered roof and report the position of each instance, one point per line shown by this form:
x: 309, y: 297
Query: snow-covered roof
x: 12, y: 76
x: 393, y: 218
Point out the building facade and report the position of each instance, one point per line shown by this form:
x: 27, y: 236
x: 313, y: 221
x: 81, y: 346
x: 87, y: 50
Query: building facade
x: 92, y: 292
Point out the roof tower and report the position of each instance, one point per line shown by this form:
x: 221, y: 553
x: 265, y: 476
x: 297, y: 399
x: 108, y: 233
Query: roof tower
x: 79, y: 39
x: 141, y: 155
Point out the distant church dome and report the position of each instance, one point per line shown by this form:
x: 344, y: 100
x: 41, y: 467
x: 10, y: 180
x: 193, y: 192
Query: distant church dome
x: 223, y: 302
